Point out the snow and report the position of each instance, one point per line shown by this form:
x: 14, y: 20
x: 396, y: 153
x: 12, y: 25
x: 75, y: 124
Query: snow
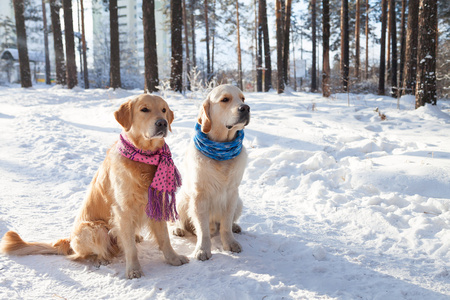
x: 338, y: 204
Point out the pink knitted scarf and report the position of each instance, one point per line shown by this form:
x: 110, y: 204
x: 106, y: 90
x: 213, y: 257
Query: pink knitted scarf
x: 161, y: 192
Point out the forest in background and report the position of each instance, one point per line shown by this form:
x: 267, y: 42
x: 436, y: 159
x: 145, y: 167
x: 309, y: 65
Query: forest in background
x: 412, y: 37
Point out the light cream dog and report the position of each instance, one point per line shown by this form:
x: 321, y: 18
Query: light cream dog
x: 209, y: 197
x: 114, y: 210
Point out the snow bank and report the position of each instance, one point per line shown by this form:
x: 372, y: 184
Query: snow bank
x: 339, y: 203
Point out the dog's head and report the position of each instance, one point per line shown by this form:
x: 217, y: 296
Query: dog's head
x: 146, y: 120
x: 223, y: 113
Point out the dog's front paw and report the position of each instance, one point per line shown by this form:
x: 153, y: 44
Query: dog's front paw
x: 178, y: 260
x: 202, y: 254
x: 236, y: 228
x: 134, y: 272
x: 233, y: 247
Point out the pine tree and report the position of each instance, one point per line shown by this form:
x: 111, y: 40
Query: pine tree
x: 150, y: 54
x: 426, y: 56
x: 326, y: 48
x: 83, y: 38
x: 47, y: 56
x: 357, y: 44
x: 239, y: 47
x: 287, y: 29
x: 314, y: 40
x: 60, y: 66
x: 176, y: 74
x: 192, y: 6
x: 115, y: 81
x: 383, y: 47
x: 393, y: 33
x: 259, y: 53
x: 279, y: 34
x: 208, y: 59
x: 367, y: 38
x: 345, y: 51
x: 410, y: 69
x: 186, y: 43
x: 402, y: 44
x: 24, y: 64
x: 71, y: 71
x: 267, y: 59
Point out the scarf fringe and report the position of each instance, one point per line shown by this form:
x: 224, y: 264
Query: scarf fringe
x: 161, y: 205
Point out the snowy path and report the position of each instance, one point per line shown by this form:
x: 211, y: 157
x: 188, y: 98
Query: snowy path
x: 338, y: 204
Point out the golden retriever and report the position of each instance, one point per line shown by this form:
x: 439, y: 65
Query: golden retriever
x: 113, y: 212
x: 209, y: 198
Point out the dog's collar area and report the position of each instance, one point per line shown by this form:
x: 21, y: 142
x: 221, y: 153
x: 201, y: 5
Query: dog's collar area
x: 218, y: 150
x: 161, y: 192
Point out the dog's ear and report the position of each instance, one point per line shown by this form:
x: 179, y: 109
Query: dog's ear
x: 124, y: 115
x: 203, y: 117
x: 170, y: 117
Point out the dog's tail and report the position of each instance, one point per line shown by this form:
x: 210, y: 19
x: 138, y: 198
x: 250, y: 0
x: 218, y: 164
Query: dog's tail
x: 13, y: 244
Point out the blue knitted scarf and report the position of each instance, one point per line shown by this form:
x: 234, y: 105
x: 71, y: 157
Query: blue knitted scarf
x: 217, y: 150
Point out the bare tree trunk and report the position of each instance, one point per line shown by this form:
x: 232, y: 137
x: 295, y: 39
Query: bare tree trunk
x: 388, y: 48
x: 259, y: 54
x: 267, y: 59
x: 213, y: 37
x: 194, y: 60
x: 410, y: 69
x: 60, y: 66
x: 115, y: 81
x: 293, y: 60
x: 186, y: 42
x: 357, y: 43
x: 25, y: 74
x: 345, y: 53
x: 402, y: 45
x: 208, y: 62
x: 150, y: 53
x: 383, y: 48
x: 393, y: 32
x: 47, y: 57
x: 71, y: 70
x: 287, y: 29
x: 279, y: 25
x: 314, y: 46
x: 83, y: 38
x: 176, y: 74
x: 79, y: 40
x: 367, y: 39
x: 326, y: 48
x: 255, y: 59
x: 239, y: 47
x: 426, y: 56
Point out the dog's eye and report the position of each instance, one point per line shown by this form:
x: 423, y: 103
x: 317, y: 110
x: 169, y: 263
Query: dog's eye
x: 145, y: 109
x: 225, y: 99
x: 163, y: 110
x: 243, y: 99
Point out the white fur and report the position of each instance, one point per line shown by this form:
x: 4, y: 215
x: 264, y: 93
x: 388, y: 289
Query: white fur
x: 210, y: 191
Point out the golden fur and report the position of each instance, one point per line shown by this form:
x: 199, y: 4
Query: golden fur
x: 113, y: 211
x: 209, y: 198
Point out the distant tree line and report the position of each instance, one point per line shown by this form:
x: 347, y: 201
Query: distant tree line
x: 408, y: 41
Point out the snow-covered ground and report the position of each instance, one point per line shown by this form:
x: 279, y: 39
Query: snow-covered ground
x: 338, y: 203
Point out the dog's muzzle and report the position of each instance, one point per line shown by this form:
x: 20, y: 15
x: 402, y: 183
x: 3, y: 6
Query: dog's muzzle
x: 244, y: 114
x: 161, y: 127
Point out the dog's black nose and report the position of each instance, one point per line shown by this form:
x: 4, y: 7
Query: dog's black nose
x: 161, y: 123
x: 244, y: 108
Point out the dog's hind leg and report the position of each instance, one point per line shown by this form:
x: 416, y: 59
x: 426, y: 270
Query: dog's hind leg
x: 235, y: 227
x: 90, y: 239
x: 183, y: 223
